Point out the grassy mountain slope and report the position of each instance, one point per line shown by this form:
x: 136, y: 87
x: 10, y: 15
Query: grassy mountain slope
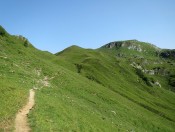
x: 18, y: 66
x: 116, y: 73
x: 80, y: 90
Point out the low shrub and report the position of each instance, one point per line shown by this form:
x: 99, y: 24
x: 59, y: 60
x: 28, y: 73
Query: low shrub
x: 143, y: 77
x: 2, y: 31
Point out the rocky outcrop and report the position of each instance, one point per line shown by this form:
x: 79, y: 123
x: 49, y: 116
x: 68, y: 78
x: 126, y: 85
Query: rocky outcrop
x: 157, y: 84
x: 150, y: 72
x: 130, y: 44
x: 134, y: 47
x: 155, y: 71
x: 137, y: 66
x: 114, y: 44
x: 21, y: 37
x: 160, y: 71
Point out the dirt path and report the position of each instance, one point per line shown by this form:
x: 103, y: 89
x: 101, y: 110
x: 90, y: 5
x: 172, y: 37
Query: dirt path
x: 21, y: 124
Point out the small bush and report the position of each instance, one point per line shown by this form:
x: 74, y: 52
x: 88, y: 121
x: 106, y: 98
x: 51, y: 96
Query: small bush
x: 26, y: 43
x: 140, y: 73
x: 2, y: 31
x: 172, y: 82
x: 79, y: 67
x: 143, y: 77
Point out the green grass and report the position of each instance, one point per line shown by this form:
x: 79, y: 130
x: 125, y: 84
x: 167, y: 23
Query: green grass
x: 90, y: 107
x: 90, y: 90
x: 10, y: 96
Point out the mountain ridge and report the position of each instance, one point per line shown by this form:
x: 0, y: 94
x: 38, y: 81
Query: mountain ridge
x: 105, y: 89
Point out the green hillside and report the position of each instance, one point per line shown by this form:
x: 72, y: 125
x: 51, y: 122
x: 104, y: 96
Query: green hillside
x: 122, y: 86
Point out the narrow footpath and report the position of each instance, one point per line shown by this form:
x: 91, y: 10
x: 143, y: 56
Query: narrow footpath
x: 21, y: 124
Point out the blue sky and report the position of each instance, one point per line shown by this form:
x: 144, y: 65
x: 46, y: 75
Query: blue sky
x: 53, y: 25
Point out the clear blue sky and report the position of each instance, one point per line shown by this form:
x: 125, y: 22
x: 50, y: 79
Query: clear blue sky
x: 53, y: 25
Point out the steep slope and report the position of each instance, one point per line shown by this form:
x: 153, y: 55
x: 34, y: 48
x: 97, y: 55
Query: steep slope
x: 19, y: 63
x: 146, y: 57
x: 80, y: 90
x: 141, y: 77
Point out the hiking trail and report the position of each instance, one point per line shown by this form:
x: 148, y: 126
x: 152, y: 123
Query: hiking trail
x: 21, y: 124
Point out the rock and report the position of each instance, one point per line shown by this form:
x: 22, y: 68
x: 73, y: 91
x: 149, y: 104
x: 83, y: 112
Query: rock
x: 136, y: 66
x: 151, y: 72
x: 113, y: 112
x: 114, y: 44
x: 130, y: 44
x: 157, y: 84
x: 21, y: 37
x: 134, y: 47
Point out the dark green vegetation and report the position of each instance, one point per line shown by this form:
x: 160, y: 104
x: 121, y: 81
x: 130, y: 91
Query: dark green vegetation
x: 122, y: 86
x: 168, y: 54
x: 2, y: 31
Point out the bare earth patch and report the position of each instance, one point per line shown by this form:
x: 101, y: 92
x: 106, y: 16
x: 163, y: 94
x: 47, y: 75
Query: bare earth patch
x: 21, y: 124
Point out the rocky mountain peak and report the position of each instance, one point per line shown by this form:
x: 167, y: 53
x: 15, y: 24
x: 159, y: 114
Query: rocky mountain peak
x: 131, y: 45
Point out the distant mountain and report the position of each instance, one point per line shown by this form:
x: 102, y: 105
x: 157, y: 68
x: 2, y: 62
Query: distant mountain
x: 121, y: 86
